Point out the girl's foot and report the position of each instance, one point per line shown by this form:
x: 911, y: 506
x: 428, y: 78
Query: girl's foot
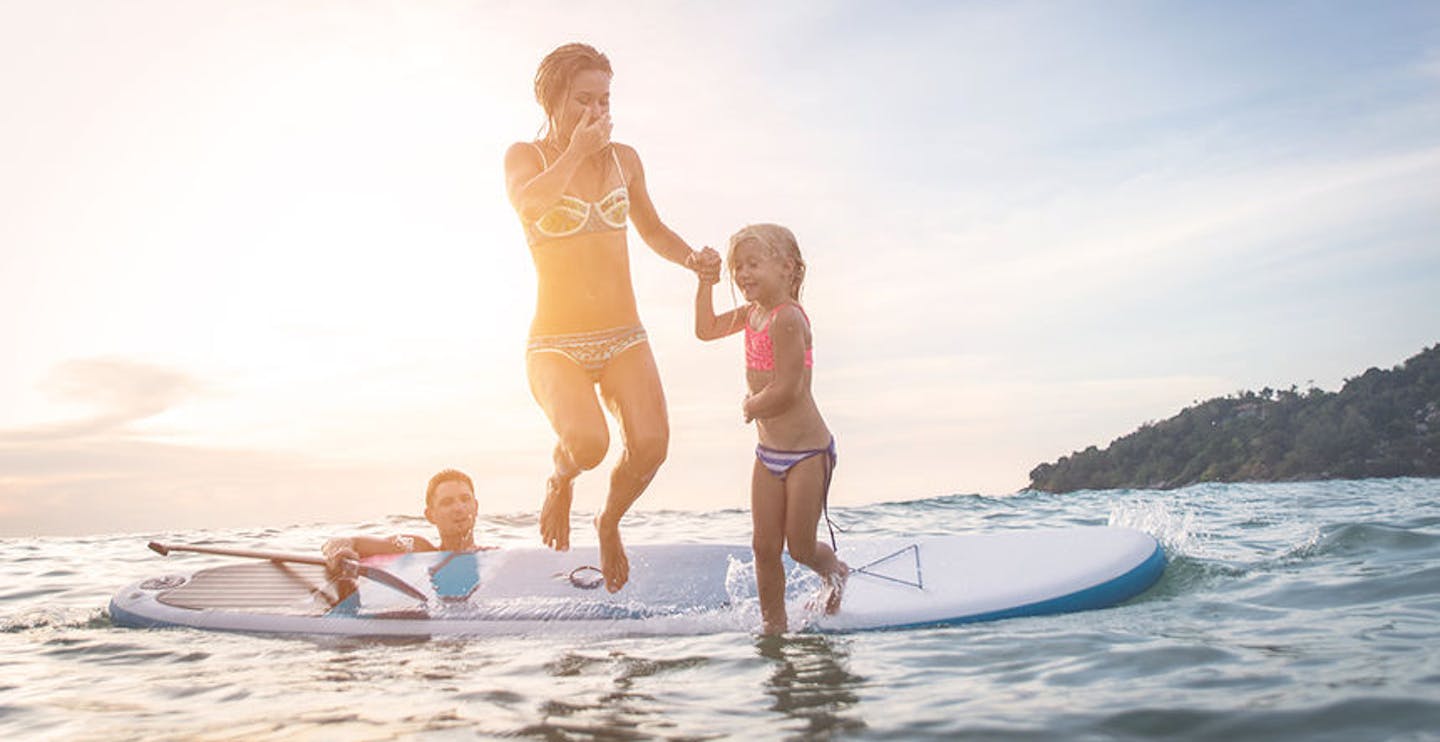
x: 613, y: 561
x: 555, y: 513
x: 835, y: 589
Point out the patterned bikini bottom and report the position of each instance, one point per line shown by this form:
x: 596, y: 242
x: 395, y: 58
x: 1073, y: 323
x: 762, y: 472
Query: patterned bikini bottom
x: 591, y: 351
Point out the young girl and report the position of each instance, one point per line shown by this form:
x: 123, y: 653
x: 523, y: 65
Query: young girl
x: 796, y: 455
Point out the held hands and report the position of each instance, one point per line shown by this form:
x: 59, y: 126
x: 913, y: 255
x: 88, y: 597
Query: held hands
x: 592, y: 134
x: 706, y: 264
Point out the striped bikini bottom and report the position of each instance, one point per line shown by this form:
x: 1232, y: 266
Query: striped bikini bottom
x: 591, y: 351
x: 781, y: 462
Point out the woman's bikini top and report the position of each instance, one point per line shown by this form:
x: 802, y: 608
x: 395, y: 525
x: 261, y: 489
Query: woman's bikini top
x: 571, y: 215
x: 760, y: 350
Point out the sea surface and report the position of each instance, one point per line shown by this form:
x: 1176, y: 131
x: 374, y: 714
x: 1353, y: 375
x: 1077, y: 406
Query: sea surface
x: 1288, y: 611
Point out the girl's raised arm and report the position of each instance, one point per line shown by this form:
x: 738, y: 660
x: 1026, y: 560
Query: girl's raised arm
x: 710, y: 327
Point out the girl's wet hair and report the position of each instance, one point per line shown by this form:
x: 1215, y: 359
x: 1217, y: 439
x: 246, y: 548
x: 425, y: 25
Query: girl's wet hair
x: 776, y: 240
x: 557, y: 70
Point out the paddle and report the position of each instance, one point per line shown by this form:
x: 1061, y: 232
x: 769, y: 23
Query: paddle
x: 374, y: 573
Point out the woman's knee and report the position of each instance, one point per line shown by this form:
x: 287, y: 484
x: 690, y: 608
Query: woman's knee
x: 647, y: 451
x: 586, y: 446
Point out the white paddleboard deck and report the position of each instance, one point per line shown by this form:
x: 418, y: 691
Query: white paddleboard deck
x: 673, y: 588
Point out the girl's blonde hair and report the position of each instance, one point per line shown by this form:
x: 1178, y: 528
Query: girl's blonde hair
x: 776, y: 240
x: 557, y: 70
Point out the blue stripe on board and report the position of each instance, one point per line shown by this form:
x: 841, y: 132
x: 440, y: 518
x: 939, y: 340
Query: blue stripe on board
x: 1104, y: 595
x: 348, y: 608
x: 457, y: 576
x: 121, y: 617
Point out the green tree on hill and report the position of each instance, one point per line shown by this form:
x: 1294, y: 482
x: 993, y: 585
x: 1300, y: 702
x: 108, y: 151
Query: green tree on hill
x: 1380, y: 424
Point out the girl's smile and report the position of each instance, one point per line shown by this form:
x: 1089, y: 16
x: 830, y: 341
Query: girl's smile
x: 761, y: 275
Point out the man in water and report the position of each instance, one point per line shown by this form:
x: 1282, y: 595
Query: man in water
x: 449, y: 504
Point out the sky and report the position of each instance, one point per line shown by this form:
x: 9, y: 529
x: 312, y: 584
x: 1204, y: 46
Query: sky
x: 257, y: 266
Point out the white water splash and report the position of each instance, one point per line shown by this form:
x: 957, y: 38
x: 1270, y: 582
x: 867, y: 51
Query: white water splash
x: 804, y: 592
x: 741, y: 590
x: 1178, y: 532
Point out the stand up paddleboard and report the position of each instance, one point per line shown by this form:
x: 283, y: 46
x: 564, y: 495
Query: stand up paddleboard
x: 673, y: 588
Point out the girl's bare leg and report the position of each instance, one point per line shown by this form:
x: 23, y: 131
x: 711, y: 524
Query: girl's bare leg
x: 805, y: 502
x: 767, y: 518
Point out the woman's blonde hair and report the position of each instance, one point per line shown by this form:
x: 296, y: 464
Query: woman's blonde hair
x: 557, y: 70
x: 776, y: 240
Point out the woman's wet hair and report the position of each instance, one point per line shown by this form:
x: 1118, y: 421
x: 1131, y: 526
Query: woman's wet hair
x: 557, y: 70
x: 776, y: 240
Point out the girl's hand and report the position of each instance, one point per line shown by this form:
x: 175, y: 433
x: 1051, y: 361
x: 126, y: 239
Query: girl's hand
x: 745, y: 408
x: 592, y: 134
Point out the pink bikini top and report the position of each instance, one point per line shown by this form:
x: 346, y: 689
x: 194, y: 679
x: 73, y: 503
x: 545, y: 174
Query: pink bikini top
x: 760, y: 351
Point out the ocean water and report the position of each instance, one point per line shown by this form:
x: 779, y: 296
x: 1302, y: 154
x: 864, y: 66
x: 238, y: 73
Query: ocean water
x: 1288, y: 611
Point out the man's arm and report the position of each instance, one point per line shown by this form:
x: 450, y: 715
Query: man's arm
x: 354, y: 548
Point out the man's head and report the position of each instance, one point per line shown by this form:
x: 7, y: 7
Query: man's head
x: 446, y: 475
x: 450, y: 504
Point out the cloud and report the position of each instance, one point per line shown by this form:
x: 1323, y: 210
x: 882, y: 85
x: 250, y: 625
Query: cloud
x: 118, y: 482
x: 103, y: 473
x: 108, y: 484
x: 121, y: 391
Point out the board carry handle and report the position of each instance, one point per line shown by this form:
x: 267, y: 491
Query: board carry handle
x: 364, y: 570
x: 914, y: 549
x: 579, y: 579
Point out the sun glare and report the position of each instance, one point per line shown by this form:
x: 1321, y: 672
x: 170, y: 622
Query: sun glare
x: 348, y: 252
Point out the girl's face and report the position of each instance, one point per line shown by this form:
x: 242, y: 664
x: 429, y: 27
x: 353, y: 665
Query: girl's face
x: 762, y: 275
x: 587, y: 99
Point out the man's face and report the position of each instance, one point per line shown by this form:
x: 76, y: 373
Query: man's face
x: 452, y: 509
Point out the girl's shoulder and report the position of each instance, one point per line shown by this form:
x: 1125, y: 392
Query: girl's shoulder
x: 789, y: 317
x: 790, y: 312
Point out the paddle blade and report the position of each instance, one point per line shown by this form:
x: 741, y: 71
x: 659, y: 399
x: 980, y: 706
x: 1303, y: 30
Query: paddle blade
x: 385, y: 578
x: 159, y: 548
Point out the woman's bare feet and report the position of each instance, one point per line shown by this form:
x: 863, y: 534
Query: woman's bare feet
x: 555, y: 513
x: 613, y: 561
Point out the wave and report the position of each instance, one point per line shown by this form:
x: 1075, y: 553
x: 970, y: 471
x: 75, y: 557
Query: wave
x: 1379, y: 539
x: 34, y: 619
x: 1359, y: 718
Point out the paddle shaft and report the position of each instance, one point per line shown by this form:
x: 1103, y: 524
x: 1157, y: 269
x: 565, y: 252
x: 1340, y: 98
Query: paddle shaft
x: 374, y: 573
x: 274, y: 556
